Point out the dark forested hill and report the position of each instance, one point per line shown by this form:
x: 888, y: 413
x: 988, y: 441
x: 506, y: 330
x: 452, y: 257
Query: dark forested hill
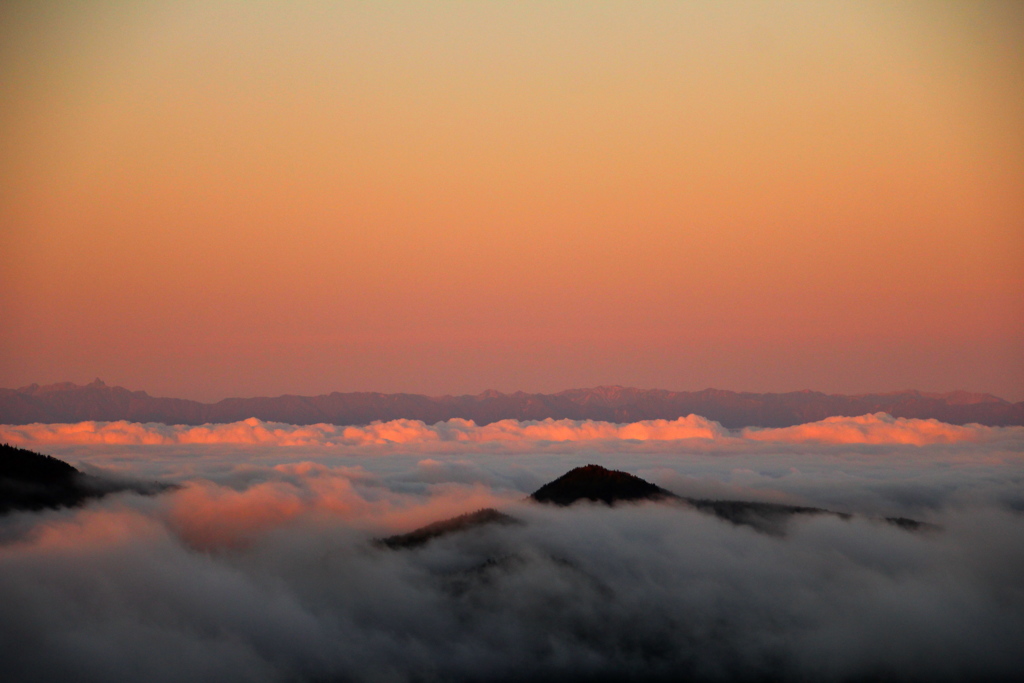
x: 96, y: 401
x: 33, y: 481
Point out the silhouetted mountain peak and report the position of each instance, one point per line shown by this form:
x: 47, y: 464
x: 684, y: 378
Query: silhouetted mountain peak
x: 598, y: 484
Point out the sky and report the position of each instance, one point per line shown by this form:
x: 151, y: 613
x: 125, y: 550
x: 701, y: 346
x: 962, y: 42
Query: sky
x: 212, y: 199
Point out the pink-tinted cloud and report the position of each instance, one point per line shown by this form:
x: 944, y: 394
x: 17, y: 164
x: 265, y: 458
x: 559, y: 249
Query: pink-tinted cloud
x: 88, y: 531
x: 254, y: 431
x: 465, y: 434
x: 265, y: 547
x: 878, y: 428
x: 207, y: 516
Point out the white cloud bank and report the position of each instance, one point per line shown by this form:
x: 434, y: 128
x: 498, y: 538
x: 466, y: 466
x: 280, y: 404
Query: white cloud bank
x: 879, y: 428
x: 259, y: 567
x: 277, y: 582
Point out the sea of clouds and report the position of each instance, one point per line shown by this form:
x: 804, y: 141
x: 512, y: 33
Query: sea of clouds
x: 260, y: 565
x: 879, y: 428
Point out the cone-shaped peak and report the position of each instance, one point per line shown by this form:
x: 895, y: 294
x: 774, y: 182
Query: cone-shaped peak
x: 597, y: 483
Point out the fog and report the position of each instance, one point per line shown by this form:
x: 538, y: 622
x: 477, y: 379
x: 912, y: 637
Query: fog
x: 261, y: 566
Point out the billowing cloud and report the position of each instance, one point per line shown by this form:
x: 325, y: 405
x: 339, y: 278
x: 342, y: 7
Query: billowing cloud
x: 125, y: 590
x: 509, y: 434
x: 207, y: 515
x: 260, y: 566
x: 879, y: 428
x: 407, y: 432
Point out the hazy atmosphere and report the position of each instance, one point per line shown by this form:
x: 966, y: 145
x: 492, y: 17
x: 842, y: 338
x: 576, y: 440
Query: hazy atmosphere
x: 473, y: 342
x: 213, y: 199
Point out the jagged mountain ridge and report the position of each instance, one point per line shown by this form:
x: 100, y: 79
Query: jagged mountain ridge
x: 67, y: 402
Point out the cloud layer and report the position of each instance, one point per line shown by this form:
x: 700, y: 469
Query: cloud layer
x: 260, y: 566
x: 262, y: 585
x: 879, y: 428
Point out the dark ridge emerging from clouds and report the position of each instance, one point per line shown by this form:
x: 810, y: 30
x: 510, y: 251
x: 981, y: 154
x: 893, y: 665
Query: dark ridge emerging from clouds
x: 264, y: 569
x: 68, y: 402
x: 602, y: 485
x: 425, y: 534
x: 597, y: 484
x: 33, y: 481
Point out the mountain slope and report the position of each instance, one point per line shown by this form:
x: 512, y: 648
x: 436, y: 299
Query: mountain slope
x: 33, y: 481
x: 425, y: 534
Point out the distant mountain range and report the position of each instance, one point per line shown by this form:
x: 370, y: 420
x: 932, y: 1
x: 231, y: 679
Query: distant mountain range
x: 67, y: 402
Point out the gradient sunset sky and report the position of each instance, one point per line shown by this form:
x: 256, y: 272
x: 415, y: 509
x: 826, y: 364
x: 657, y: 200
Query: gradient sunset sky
x: 211, y: 199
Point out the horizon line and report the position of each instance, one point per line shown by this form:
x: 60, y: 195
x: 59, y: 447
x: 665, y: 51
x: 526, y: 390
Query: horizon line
x: 98, y: 382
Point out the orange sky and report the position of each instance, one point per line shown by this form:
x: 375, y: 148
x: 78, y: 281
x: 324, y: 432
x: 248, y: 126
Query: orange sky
x: 206, y: 199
